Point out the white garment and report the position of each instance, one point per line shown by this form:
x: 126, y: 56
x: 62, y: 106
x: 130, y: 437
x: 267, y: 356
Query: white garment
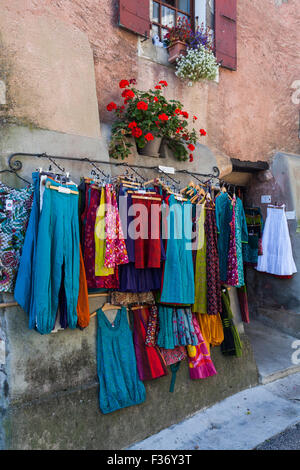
x: 277, y: 257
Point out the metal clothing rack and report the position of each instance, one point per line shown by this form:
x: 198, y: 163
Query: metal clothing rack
x: 16, y: 165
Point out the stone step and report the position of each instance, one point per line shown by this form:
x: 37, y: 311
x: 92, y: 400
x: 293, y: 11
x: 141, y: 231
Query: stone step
x: 275, y: 352
x: 286, y: 321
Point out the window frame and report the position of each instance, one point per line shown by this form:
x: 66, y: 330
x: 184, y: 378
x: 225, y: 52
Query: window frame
x: 161, y: 3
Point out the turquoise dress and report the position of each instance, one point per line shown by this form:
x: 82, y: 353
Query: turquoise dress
x: 223, y: 219
x: 241, y: 237
x: 178, y: 278
x: 120, y: 385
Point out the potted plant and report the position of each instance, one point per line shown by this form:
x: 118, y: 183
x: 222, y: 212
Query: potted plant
x: 147, y: 117
x: 176, y: 40
x: 198, y: 62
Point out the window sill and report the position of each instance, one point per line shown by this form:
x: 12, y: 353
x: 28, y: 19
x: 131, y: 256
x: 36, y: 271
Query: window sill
x: 147, y: 50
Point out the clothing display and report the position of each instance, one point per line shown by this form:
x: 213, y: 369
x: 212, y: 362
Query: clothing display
x: 168, y: 255
x: 120, y: 385
x: 255, y: 226
x: 214, y: 305
x: 15, y: 207
x: 178, y: 275
x: 232, y: 235
x: 277, y: 257
x: 200, y: 305
x: 200, y: 363
x: 150, y: 362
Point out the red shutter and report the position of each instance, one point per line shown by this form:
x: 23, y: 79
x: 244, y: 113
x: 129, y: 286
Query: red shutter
x: 135, y: 16
x: 225, y: 33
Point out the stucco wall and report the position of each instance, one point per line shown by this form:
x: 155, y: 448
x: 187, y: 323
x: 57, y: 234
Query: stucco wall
x: 248, y: 114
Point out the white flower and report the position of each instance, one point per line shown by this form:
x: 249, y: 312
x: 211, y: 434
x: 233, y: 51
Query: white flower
x: 198, y: 64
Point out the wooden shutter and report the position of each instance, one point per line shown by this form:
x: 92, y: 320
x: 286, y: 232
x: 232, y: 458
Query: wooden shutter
x: 135, y: 16
x: 225, y: 33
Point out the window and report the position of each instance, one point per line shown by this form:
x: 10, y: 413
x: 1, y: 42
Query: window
x: 165, y: 14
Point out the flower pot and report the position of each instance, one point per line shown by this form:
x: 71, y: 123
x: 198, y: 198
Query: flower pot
x: 151, y: 148
x: 177, y: 48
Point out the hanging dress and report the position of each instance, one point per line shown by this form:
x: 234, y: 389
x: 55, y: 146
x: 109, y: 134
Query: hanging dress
x: 232, y: 264
x: 115, y: 250
x: 15, y: 207
x: 120, y: 385
x: 214, y: 304
x: 223, y: 219
x: 178, y: 276
x: 277, y: 255
x: 231, y: 346
x: 200, y: 363
x: 200, y: 305
x: 150, y: 362
x: 241, y: 237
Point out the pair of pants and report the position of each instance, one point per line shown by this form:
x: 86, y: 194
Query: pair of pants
x: 24, y: 287
x: 57, y: 247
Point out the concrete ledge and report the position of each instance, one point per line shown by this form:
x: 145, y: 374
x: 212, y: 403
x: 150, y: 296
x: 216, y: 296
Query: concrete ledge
x: 72, y: 419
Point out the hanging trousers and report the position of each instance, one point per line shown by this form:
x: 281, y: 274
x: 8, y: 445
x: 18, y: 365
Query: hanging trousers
x: 57, y: 248
x: 24, y: 287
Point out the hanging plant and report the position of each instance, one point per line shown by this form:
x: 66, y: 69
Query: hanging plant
x: 198, y: 64
x: 199, y: 61
x: 147, y: 115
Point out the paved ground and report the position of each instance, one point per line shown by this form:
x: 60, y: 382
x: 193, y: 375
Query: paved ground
x: 243, y: 421
x: 273, y: 351
x: 286, y: 440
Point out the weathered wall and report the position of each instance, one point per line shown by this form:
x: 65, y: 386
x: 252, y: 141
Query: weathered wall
x: 248, y: 114
x: 53, y: 387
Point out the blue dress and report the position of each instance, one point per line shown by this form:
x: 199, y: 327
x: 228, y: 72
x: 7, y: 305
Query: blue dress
x: 223, y: 219
x: 178, y: 281
x: 120, y: 385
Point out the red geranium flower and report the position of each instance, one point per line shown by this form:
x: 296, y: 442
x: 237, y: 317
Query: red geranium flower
x: 163, y: 117
x: 184, y: 114
x: 132, y: 81
x: 195, y: 118
x: 177, y: 111
x: 158, y: 87
x: 123, y: 83
x: 142, y: 105
x: 163, y: 82
x: 191, y: 157
x: 191, y: 147
x: 128, y: 94
x: 136, y: 132
x: 202, y: 132
x: 156, y: 99
x: 157, y: 123
x: 111, y: 106
x: 132, y: 124
x: 149, y: 136
x: 178, y: 129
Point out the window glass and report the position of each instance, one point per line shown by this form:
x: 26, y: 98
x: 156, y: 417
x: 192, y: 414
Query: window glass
x: 155, y: 12
x: 184, y: 5
x: 170, y: 2
x: 154, y: 30
x: 167, y: 16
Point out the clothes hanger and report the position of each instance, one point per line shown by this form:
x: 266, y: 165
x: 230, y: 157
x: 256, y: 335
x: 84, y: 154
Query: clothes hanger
x: 109, y: 306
